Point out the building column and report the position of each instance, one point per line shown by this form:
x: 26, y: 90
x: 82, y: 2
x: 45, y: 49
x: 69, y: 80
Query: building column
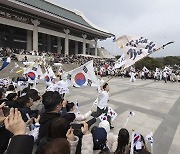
x: 76, y: 47
x: 35, y: 34
x: 43, y: 42
x: 59, y: 47
x: 96, y: 46
x: 49, y: 43
x: 84, y: 43
x: 29, y: 41
x: 67, y: 31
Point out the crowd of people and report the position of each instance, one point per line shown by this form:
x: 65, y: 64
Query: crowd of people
x: 49, y: 124
x: 102, y: 66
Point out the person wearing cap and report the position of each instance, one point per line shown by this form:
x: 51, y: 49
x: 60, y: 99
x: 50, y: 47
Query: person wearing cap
x: 99, y: 135
x: 102, y: 106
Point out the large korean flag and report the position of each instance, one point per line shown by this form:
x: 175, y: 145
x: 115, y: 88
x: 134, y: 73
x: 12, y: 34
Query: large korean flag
x: 34, y: 72
x: 83, y: 76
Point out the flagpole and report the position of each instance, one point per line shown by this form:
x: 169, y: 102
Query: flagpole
x: 132, y: 143
x: 126, y: 122
x: 152, y: 144
x: 151, y: 148
x: 108, y: 79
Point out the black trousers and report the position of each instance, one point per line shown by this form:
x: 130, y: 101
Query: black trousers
x: 101, y: 111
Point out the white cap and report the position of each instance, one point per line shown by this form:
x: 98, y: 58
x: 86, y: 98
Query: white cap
x: 105, y: 124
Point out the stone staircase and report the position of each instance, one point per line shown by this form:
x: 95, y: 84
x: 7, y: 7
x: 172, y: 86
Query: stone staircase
x: 6, y: 72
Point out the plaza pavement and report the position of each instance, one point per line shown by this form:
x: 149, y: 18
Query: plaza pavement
x: 156, y: 106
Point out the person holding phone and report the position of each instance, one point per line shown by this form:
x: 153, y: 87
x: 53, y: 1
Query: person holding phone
x: 5, y: 135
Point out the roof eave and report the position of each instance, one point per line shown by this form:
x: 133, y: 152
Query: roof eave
x: 56, y: 18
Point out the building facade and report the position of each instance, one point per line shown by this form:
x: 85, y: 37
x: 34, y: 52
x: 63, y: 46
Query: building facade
x: 42, y: 26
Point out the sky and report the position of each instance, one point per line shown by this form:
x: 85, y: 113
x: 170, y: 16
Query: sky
x: 157, y: 20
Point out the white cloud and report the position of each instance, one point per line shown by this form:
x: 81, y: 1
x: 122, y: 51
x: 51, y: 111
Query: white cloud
x: 157, y: 20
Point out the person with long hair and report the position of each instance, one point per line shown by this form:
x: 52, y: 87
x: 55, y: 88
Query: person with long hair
x: 122, y: 142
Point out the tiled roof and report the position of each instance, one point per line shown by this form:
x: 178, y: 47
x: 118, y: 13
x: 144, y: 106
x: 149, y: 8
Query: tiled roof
x: 56, y: 10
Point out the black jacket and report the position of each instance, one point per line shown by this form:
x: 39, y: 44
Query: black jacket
x: 46, y: 119
x: 5, y: 135
x: 21, y: 144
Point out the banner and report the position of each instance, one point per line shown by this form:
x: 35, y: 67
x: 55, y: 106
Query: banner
x: 135, y: 48
x: 82, y: 76
x: 120, y: 62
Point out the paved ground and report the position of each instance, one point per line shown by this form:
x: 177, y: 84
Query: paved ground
x: 156, y: 106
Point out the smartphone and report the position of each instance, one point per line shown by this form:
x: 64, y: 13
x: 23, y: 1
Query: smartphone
x: 76, y: 126
x: 6, y: 111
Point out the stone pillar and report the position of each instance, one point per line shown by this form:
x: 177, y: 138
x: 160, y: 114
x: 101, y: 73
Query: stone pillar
x: 67, y: 31
x: 43, y: 42
x: 88, y: 49
x: 29, y: 41
x: 35, y: 34
x: 76, y: 47
x: 96, y: 46
x: 84, y: 43
x: 59, y: 47
x: 49, y: 43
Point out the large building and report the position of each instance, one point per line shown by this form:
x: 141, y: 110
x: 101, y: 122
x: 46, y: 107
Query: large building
x: 42, y: 26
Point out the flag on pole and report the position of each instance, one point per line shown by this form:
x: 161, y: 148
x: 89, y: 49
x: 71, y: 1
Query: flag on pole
x: 22, y: 84
x: 102, y: 117
x: 120, y: 62
x: 49, y: 74
x: 129, y: 115
x: 112, y: 113
x: 83, y: 76
x: 136, y: 48
x: 167, y: 69
x: 145, y: 69
x: 34, y: 72
x: 149, y: 137
x: 5, y: 63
